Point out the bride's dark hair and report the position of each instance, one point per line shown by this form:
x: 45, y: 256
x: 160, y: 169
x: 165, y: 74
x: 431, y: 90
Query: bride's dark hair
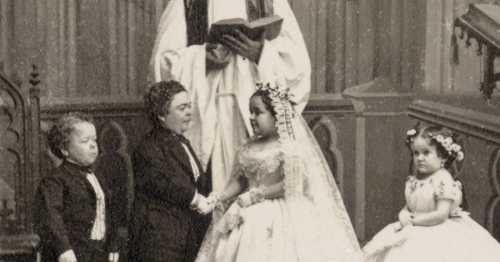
x: 265, y: 95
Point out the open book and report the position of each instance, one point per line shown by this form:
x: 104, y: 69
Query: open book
x: 270, y: 26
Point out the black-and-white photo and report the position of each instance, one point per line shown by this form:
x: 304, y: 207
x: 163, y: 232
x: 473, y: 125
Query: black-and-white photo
x: 249, y: 130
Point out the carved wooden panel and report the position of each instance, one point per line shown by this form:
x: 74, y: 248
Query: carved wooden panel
x: 493, y: 215
x: 13, y: 157
x: 19, y: 145
x: 326, y: 134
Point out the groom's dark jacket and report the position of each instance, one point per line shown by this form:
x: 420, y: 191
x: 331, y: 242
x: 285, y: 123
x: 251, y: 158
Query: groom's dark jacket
x: 163, y: 226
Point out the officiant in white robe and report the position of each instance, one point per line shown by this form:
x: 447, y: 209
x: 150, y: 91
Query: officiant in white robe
x: 221, y: 94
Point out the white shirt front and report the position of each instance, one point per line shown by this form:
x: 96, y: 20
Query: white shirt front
x: 194, y: 166
x: 99, y: 227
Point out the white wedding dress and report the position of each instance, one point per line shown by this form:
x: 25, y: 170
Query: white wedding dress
x: 301, y: 226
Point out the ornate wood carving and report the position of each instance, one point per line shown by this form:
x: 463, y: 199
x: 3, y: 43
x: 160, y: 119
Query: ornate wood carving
x: 493, y: 215
x: 482, y: 23
x: 326, y: 134
x: 19, y: 151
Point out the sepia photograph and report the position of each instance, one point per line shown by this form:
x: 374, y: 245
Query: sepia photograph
x: 249, y: 130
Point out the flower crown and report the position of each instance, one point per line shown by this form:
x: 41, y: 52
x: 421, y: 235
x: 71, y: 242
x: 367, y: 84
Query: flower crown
x: 283, y: 106
x: 452, y: 148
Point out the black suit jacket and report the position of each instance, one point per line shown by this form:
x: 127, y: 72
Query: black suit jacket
x: 163, y: 226
x: 64, y: 213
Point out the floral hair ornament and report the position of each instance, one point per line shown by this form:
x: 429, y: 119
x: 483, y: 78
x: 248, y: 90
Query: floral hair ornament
x: 452, y: 148
x: 410, y: 135
x: 283, y: 106
x: 449, y: 145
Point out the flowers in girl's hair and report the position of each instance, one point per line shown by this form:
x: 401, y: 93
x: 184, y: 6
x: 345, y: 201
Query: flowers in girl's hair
x: 411, y: 132
x: 453, y: 149
x: 460, y: 156
x: 447, y: 142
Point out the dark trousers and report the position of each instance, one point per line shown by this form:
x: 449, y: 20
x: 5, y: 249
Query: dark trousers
x: 92, y: 250
x: 88, y: 251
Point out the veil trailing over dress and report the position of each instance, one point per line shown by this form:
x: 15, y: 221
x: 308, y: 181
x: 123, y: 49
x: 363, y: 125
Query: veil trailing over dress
x: 316, y: 218
x: 308, y: 174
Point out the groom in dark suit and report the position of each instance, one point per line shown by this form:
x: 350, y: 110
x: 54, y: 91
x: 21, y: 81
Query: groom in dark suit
x: 169, y: 217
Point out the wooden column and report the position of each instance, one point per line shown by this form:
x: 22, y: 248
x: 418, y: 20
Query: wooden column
x: 5, y: 35
x: 122, y: 48
x: 62, y: 46
x: 339, y: 51
x: 113, y: 47
x: 52, y: 60
x: 367, y: 11
x: 71, y: 55
x: 396, y: 22
x: 131, y: 61
x: 351, y: 43
x: 433, y: 52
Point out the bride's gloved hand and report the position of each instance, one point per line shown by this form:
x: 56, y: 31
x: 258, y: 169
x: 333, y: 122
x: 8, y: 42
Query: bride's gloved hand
x: 250, y: 197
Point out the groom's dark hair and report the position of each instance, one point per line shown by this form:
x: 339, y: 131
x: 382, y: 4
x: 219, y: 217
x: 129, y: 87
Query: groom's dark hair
x: 158, y: 98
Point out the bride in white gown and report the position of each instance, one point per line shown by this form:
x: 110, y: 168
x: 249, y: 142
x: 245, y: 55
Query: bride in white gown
x: 281, y: 203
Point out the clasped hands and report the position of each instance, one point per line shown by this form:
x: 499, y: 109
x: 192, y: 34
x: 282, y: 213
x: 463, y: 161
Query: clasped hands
x: 205, y: 205
x: 405, y: 219
x: 215, y: 201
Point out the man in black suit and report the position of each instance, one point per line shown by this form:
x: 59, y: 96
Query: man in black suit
x: 72, y: 208
x: 169, y: 217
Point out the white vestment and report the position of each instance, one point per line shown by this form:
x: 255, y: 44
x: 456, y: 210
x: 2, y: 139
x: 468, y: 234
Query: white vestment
x: 221, y: 97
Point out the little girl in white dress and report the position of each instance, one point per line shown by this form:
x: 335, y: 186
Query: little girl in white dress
x: 282, y: 203
x: 432, y: 227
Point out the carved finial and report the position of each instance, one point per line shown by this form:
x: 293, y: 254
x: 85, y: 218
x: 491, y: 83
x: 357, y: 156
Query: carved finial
x: 34, y: 81
x: 467, y: 41
x: 479, y: 50
x: 462, y: 33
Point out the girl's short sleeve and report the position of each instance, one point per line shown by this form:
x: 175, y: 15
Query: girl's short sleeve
x: 445, y: 187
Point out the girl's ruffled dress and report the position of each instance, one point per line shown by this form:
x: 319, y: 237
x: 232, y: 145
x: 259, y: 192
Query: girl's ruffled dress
x: 458, y: 239
x: 285, y: 229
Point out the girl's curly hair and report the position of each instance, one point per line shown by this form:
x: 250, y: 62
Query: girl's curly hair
x: 446, y: 142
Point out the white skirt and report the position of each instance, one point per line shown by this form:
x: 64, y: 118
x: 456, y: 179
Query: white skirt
x: 456, y: 240
x: 275, y: 231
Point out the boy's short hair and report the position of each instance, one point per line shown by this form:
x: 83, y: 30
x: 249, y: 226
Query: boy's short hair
x: 59, y: 134
x: 159, y: 96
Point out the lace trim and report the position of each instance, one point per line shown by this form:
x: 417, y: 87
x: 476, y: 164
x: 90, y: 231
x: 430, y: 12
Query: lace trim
x: 294, y: 171
x: 255, y: 166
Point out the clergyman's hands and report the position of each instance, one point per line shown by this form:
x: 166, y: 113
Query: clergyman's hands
x: 240, y: 44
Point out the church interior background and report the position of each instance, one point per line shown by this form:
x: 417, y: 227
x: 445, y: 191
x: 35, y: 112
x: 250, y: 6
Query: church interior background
x: 378, y: 67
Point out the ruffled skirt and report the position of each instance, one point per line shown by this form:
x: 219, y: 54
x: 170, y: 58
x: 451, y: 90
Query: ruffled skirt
x: 277, y: 231
x: 456, y: 240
